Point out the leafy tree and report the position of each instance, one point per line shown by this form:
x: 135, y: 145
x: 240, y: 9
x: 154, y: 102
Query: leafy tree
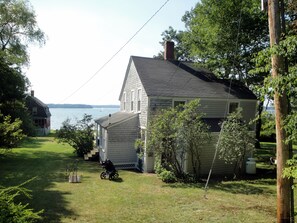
x: 224, y: 35
x: 163, y: 140
x: 180, y: 51
x: 18, y: 27
x: 79, y: 135
x: 268, y: 127
x: 236, y: 141
x: 193, y: 134
x: 12, y: 96
x: 12, y: 83
x: 174, y: 133
x: 291, y: 170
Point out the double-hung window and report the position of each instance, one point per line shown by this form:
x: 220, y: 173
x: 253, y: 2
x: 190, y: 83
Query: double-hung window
x: 124, y: 101
x: 132, y: 100
x: 138, y: 99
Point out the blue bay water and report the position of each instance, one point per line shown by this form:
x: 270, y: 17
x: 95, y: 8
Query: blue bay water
x: 59, y: 115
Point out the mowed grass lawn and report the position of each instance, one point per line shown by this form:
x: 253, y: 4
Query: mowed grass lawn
x: 135, y: 197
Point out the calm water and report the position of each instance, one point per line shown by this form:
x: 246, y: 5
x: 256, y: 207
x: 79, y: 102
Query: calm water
x: 59, y: 115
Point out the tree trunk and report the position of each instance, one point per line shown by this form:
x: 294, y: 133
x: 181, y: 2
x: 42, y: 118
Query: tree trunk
x: 281, y: 111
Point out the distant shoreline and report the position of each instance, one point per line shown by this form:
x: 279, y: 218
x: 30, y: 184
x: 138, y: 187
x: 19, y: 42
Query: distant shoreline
x: 81, y: 106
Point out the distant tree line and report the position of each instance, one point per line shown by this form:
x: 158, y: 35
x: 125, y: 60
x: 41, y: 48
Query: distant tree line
x: 81, y: 106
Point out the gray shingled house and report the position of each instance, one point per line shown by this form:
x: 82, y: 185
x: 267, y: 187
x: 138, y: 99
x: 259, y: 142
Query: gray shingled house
x: 151, y: 84
x: 40, y: 114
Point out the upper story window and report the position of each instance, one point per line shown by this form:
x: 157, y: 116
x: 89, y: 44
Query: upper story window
x: 138, y: 99
x: 233, y: 106
x: 34, y: 110
x: 124, y: 101
x: 132, y: 100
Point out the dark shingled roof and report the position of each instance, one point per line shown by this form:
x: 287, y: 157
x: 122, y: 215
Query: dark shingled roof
x: 42, y: 109
x: 115, y: 118
x: 182, y: 79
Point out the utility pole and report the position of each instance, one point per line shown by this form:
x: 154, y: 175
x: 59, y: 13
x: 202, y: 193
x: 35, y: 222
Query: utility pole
x: 281, y: 112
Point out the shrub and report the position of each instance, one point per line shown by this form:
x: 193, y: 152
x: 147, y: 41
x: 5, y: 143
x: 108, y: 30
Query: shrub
x: 10, y: 132
x: 80, y: 135
x: 167, y: 176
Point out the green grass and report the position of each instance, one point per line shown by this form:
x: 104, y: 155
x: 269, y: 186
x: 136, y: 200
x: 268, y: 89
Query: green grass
x: 135, y: 197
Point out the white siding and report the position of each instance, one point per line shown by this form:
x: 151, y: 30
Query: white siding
x: 248, y: 110
x: 121, y: 142
x: 213, y: 108
x: 207, y: 157
x: 133, y: 83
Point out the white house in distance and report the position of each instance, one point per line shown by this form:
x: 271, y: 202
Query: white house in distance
x: 152, y: 84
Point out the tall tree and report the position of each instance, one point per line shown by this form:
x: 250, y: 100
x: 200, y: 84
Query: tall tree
x: 18, y: 28
x: 180, y: 51
x: 225, y: 35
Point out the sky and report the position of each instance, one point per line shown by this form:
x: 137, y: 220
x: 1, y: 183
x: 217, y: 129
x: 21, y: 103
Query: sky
x: 83, y: 35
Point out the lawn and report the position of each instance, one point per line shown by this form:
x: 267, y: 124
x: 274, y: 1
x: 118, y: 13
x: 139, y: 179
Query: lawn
x: 135, y: 197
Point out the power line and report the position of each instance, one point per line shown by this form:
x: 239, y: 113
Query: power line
x: 116, y: 53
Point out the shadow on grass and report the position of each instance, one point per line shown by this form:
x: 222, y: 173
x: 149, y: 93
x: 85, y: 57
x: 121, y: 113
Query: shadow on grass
x: 245, y: 187
x: 32, y: 142
x: 48, y: 168
x: 118, y: 180
x: 261, y: 183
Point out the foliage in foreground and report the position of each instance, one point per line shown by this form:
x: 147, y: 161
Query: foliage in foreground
x: 291, y: 170
x: 13, y: 212
x: 78, y: 135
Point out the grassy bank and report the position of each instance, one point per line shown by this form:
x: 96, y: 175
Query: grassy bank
x: 135, y: 197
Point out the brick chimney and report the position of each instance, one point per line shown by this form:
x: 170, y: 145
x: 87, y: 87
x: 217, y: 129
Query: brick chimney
x: 32, y: 93
x: 169, y: 50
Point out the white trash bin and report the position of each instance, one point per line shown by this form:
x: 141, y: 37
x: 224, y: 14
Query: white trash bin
x: 251, y: 166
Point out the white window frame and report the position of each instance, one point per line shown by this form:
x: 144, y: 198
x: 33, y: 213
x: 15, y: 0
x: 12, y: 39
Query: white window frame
x: 132, y: 100
x: 124, y: 101
x: 139, y: 97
